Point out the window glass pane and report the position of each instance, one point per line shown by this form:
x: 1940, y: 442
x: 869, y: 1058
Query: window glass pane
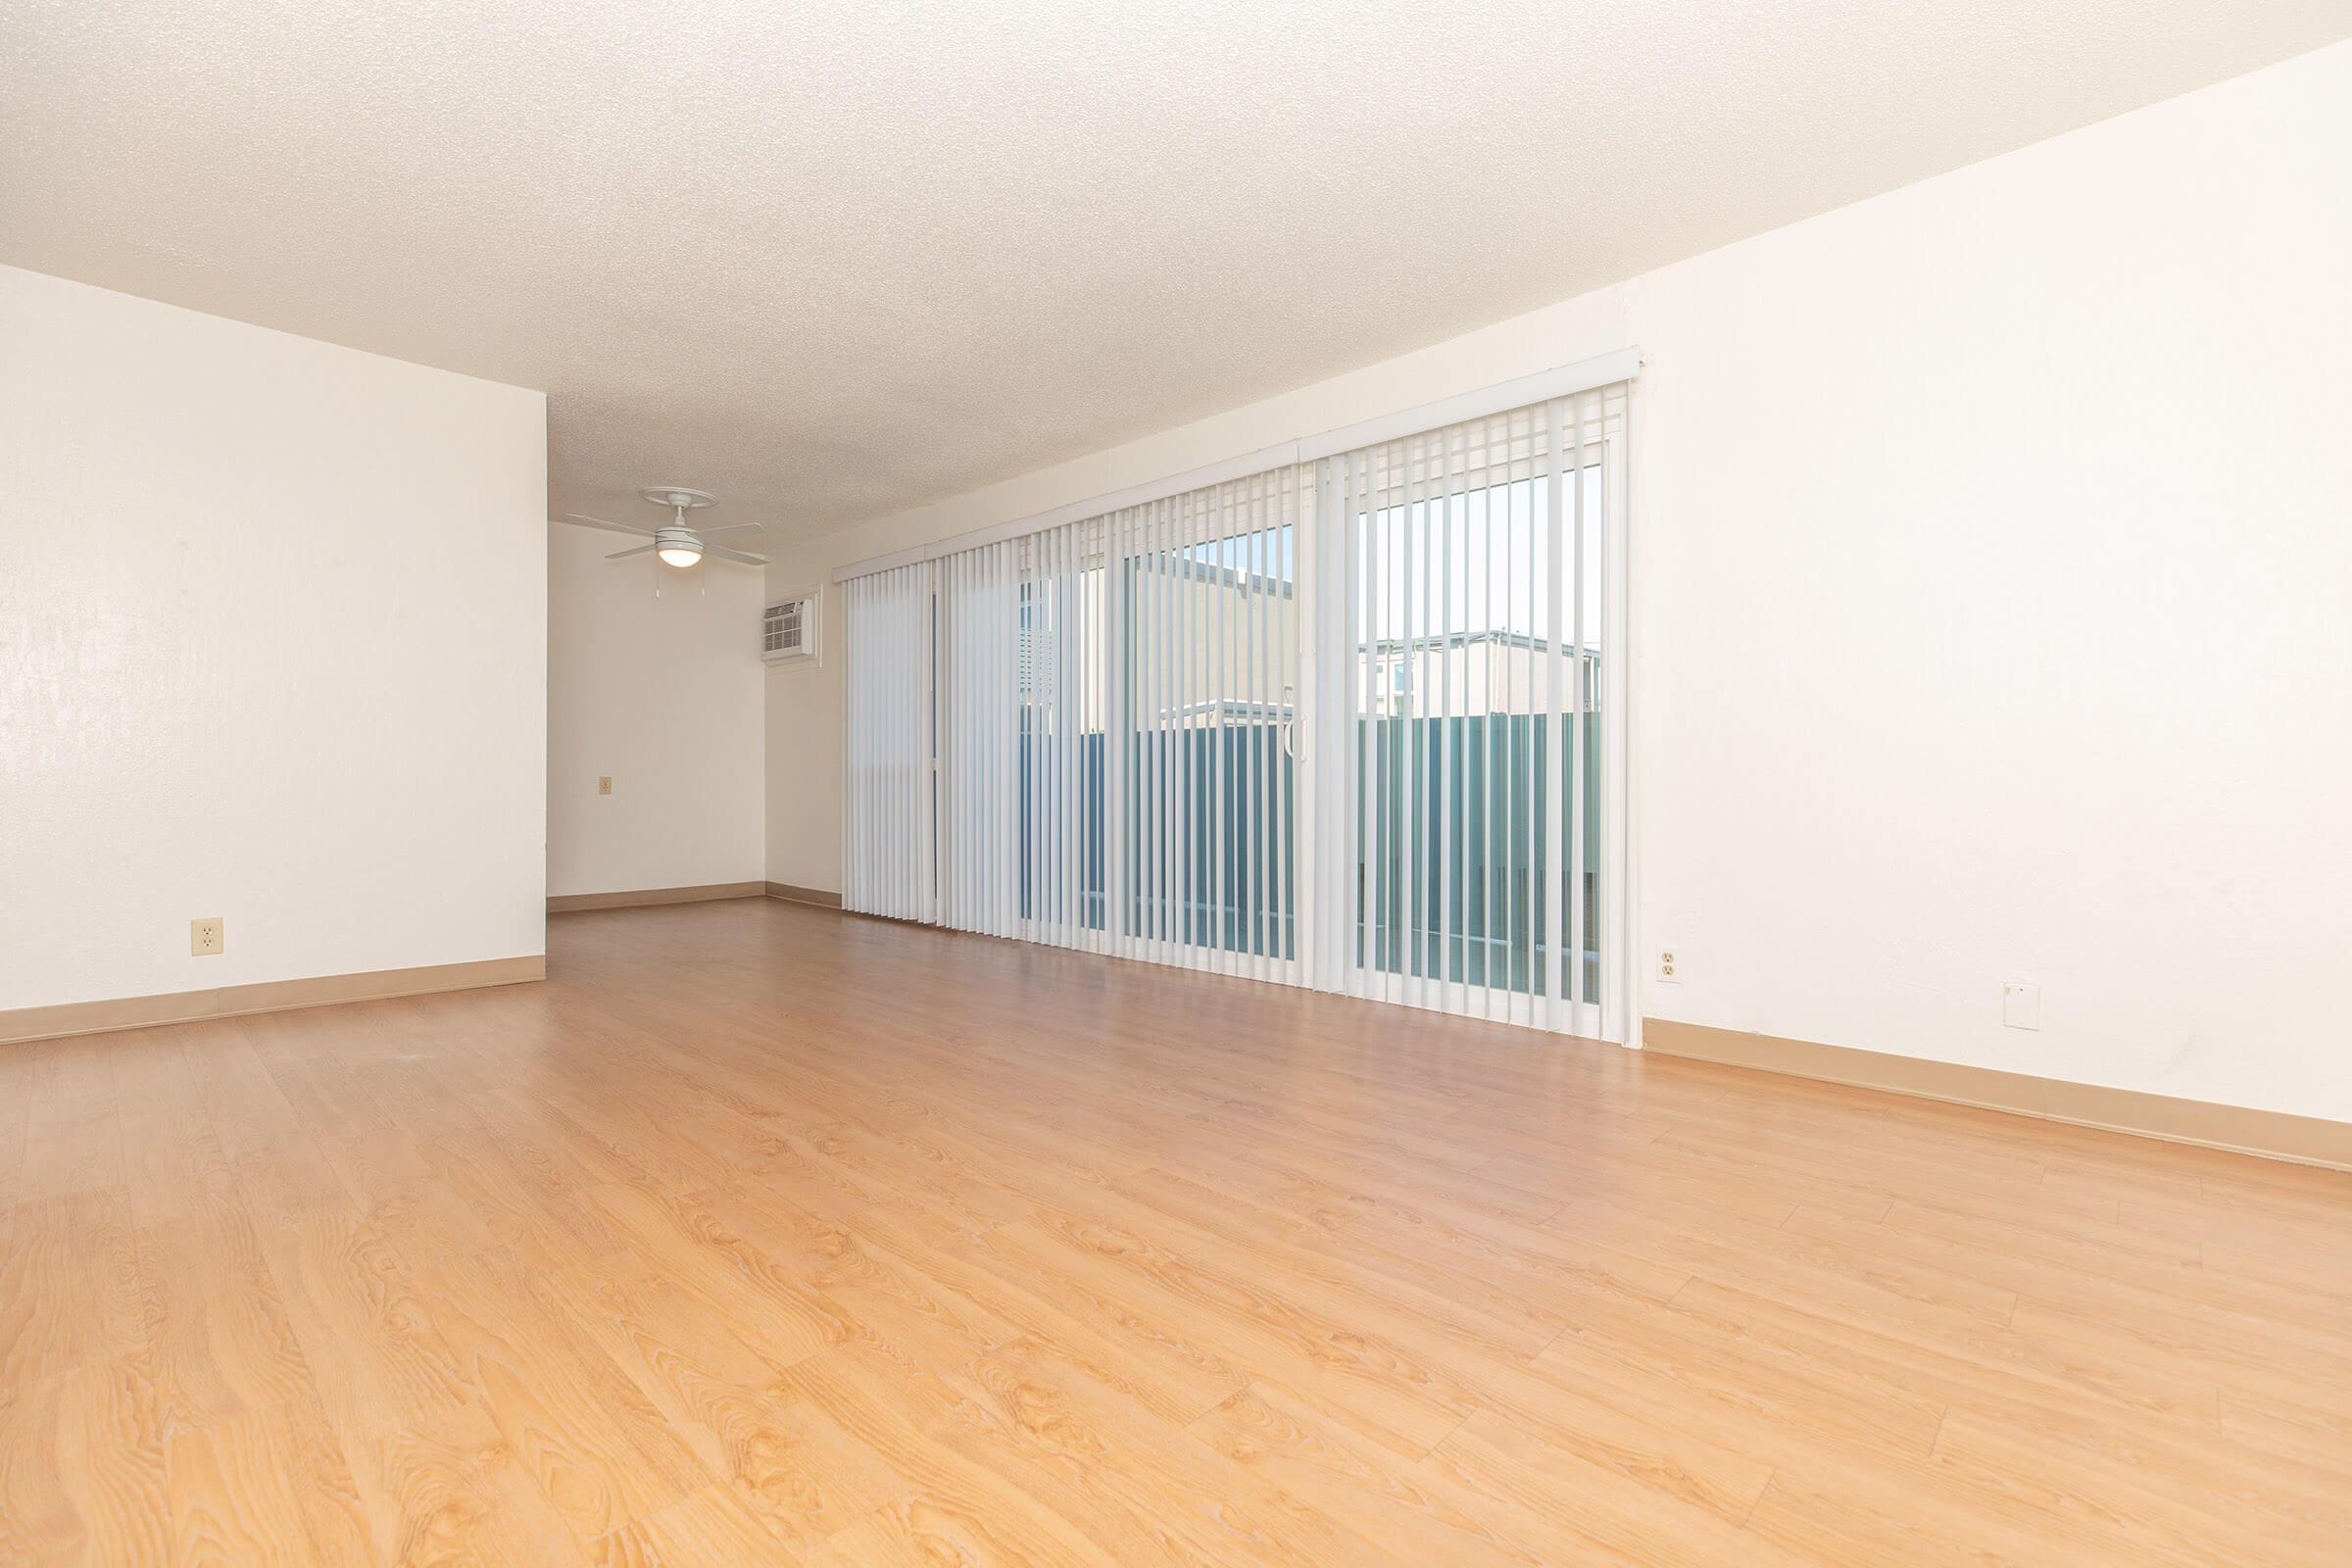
x: 1453, y: 640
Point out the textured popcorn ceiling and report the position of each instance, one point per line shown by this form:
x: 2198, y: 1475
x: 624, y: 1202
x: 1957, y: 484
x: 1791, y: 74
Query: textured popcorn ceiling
x: 830, y: 259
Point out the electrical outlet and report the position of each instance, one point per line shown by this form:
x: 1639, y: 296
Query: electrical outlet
x: 2020, y: 1005
x: 207, y: 935
x: 1666, y: 969
x: 604, y: 784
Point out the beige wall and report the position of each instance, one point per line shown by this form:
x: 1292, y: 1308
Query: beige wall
x: 802, y: 741
x: 663, y: 694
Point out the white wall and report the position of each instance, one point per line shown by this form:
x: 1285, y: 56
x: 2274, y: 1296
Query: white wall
x: 804, y: 741
x: 1996, y: 545
x: 1993, y: 539
x: 664, y: 696
x: 273, y: 646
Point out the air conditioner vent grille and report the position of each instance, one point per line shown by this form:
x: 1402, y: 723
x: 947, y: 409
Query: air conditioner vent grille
x: 788, y: 631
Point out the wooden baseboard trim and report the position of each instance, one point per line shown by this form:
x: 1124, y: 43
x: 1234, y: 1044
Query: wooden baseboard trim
x: 2271, y: 1134
x: 267, y: 996
x: 635, y: 898
x: 792, y: 894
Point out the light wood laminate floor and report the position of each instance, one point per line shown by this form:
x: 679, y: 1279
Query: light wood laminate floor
x: 762, y: 1233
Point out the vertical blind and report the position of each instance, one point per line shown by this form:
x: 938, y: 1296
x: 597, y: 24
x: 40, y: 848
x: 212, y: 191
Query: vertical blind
x: 888, y: 742
x: 979, y: 749
x: 1341, y: 723
x: 1203, y: 665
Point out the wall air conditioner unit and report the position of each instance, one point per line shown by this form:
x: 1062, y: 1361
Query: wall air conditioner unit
x: 787, y: 633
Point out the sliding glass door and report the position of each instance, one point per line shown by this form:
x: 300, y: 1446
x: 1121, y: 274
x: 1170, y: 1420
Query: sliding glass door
x: 1117, y: 749
x: 1352, y: 721
x: 1474, y: 610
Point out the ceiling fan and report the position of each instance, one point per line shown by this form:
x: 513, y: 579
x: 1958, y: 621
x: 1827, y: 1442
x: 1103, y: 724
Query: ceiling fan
x: 675, y: 544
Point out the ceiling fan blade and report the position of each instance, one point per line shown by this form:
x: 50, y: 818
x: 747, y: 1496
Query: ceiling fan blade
x: 623, y: 555
x: 724, y: 553
x: 599, y: 522
x: 732, y: 527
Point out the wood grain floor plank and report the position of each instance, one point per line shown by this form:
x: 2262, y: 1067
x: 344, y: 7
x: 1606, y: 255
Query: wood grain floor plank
x: 70, y: 1292
x: 709, y: 1526
x: 1246, y: 1323
x: 924, y: 1425
x: 2240, y: 1514
x: 265, y: 1486
x: 1991, y: 1364
x: 677, y: 1231
x: 81, y: 1467
x: 1566, y: 1510
x: 592, y: 1442
x: 797, y: 1474
x: 1144, y: 1487
x: 213, y: 1320
x: 1167, y: 1365
x: 1310, y: 1452
x: 433, y: 1474
x: 72, y: 1146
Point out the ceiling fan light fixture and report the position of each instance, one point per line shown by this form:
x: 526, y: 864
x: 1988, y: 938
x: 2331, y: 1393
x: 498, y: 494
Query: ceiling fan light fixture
x: 674, y: 544
x: 678, y: 546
